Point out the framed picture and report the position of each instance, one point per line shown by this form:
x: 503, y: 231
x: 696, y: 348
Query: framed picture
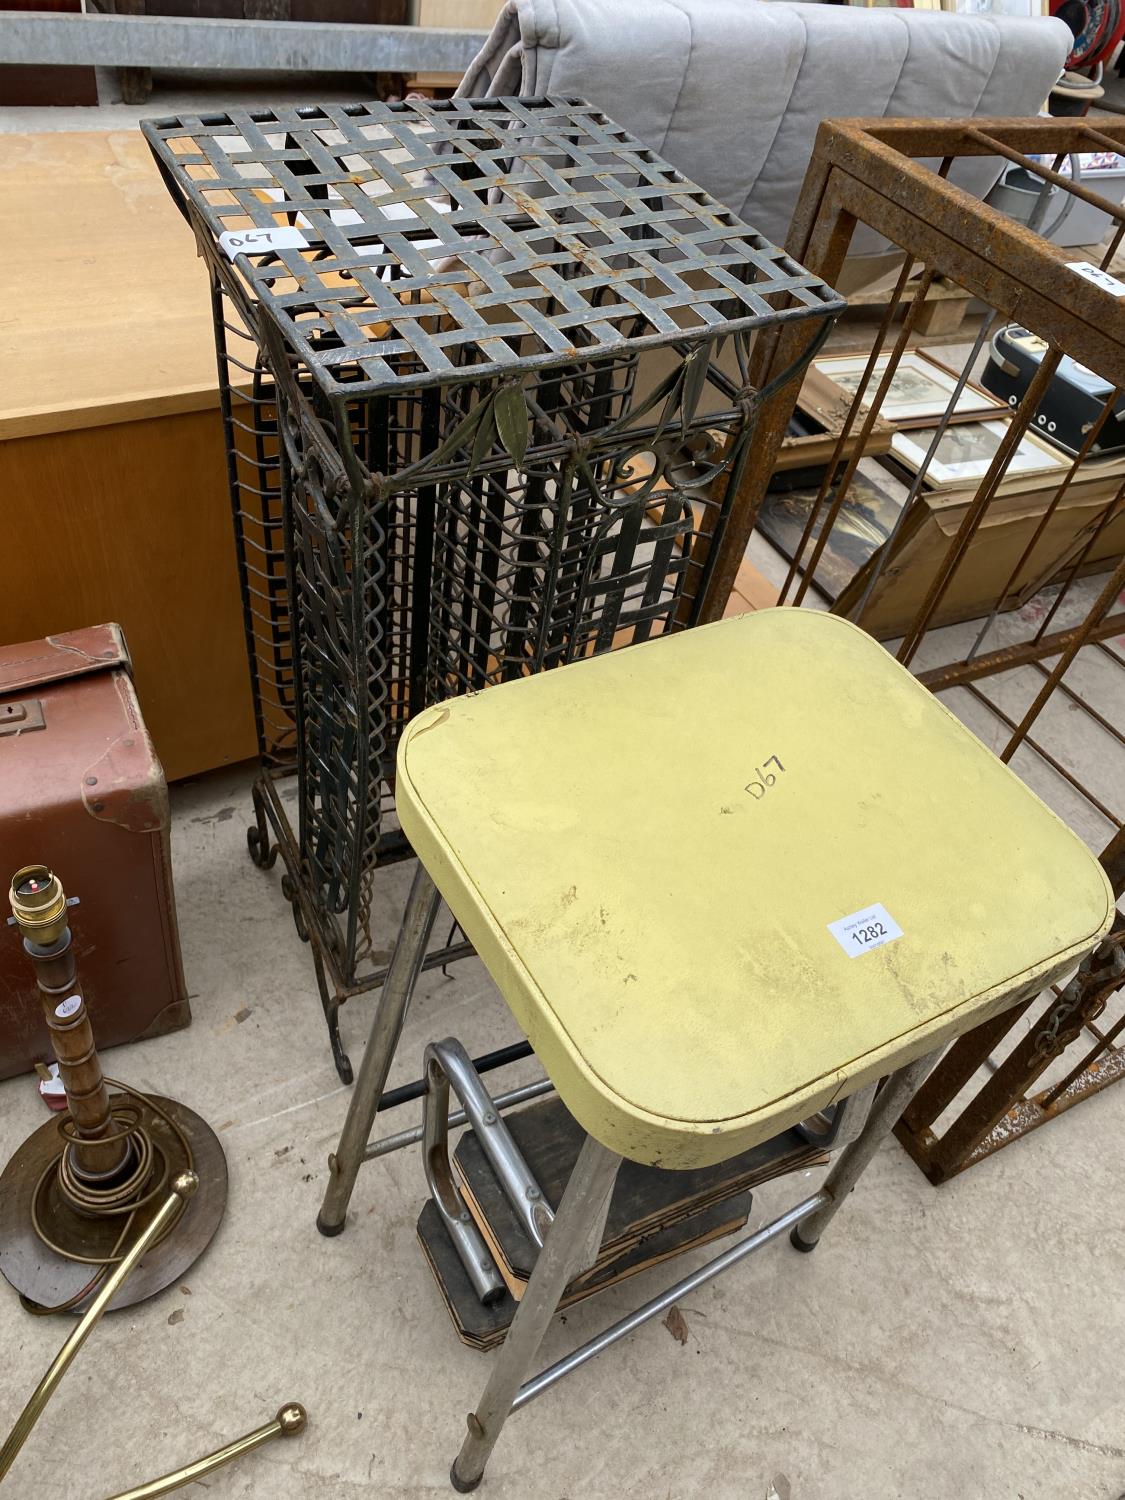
x: 919, y: 393
x: 965, y: 452
x: 864, y: 523
x: 814, y: 431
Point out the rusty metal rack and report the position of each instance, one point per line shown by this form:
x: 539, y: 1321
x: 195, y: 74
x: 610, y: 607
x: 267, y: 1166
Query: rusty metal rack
x: 463, y: 347
x: 1056, y: 600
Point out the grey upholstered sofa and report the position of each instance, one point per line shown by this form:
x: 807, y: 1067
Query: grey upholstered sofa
x: 732, y: 91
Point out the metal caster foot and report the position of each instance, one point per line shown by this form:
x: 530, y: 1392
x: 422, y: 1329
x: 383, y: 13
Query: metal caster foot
x: 339, y: 1056
x: 331, y: 1007
x: 263, y: 851
x: 289, y: 891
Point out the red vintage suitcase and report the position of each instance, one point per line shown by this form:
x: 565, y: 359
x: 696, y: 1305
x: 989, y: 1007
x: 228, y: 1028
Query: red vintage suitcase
x: 81, y: 790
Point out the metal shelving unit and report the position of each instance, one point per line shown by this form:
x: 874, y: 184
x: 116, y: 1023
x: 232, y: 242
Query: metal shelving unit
x: 464, y: 348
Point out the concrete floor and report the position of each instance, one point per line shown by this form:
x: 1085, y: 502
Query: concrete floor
x: 956, y: 1342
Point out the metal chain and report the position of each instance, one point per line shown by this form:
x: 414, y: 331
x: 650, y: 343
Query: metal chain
x: 1097, y: 977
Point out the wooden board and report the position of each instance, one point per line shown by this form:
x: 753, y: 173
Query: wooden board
x: 432, y: 85
x: 111, y: 446
x: 943, y: 309
x: 132, y: 523
x: 466, y: 15
x: 106, y: 307
x: 485, y: 1327
x: 645, y: 1199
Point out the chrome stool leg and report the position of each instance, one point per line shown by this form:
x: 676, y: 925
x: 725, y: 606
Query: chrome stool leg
x: 566, y: 1248
x: 390, y: 1010
x: 572, y: 1242
x: 895, y: 1095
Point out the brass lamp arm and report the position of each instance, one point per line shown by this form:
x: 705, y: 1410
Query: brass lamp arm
x: 182, y: 1189
x: 289, y: 1421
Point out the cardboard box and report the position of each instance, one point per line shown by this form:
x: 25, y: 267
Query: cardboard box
x: 996, y: 549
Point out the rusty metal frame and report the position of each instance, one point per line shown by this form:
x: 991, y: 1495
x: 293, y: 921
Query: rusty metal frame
x: 874, y: 172
x: 892, y: 176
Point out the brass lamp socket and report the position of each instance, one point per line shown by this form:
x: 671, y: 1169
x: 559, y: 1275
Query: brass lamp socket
x: 38, y: 905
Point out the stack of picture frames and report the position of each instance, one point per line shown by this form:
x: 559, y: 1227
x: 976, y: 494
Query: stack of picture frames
x: 881, y: 562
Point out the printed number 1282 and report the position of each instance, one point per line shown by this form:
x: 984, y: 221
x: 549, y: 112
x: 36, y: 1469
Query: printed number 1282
x: 871, y: 934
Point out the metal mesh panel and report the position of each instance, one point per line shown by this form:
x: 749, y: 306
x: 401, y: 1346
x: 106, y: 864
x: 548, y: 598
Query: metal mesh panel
x: 448, y: 307
x: 397, y: 245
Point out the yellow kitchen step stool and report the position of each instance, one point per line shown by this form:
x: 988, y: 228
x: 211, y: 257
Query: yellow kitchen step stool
x: 723, y: 880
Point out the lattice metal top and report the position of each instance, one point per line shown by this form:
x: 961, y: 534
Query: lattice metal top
x: 422, y: 242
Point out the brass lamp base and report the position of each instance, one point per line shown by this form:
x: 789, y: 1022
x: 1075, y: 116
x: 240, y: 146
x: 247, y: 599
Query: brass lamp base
x: 30, y: 1195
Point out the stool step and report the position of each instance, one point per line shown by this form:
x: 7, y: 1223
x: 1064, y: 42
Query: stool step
x: 654, y: 1214
x: 644, y: 1198
x: 484, y: 1327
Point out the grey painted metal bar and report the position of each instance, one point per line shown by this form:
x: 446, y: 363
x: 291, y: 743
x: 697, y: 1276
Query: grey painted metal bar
x: 44, y: 38
x: 665, y: 1300
x: 411, y: 1137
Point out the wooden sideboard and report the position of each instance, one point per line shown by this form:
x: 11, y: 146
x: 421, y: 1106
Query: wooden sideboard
x: 112, y: 466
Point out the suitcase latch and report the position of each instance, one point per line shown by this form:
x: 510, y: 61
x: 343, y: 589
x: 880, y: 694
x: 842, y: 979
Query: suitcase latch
x: 21, y: 718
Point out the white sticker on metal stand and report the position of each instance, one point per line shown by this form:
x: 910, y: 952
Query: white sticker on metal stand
x: 1090, y: 272
x: 262, y: 241
x: 864, y: 930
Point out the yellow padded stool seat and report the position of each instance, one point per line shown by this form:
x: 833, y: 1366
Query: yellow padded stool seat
x: 685, y: 865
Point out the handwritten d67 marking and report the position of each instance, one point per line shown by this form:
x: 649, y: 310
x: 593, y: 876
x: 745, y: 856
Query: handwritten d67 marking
x: 766, y: 779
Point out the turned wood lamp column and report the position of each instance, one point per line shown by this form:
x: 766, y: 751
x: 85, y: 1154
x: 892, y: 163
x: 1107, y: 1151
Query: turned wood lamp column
x: 39, y: 910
